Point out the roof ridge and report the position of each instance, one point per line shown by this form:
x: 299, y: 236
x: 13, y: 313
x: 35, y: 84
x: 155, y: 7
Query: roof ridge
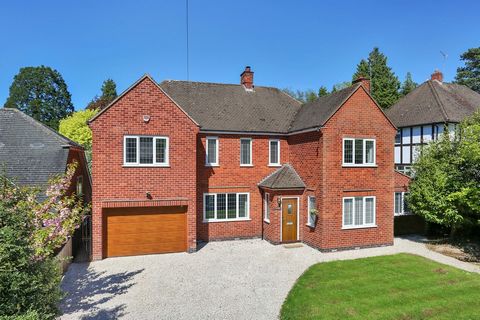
x: 437, y: 98
x: 57, y: 135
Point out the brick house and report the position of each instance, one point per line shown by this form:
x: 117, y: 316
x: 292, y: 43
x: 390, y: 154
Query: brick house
x: 180, y: 162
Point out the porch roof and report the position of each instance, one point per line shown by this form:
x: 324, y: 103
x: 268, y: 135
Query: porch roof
x: 284, y: 178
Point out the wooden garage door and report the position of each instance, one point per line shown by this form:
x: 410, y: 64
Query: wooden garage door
x: 137, y: 231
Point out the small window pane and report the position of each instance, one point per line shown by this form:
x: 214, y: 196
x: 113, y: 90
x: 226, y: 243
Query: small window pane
x: 221, y: 206
x: 274, y: 158
x: 358, y: 151
x: 348, y: 151
x: 146, y: 150
x: 398, y: 137
x: 405, y: 204
x: 358, y: 211
x: 266, y: 206
x: 398, y: 202
x: 211, y: 151
x: 243, y: 206
x: 406, y: 154
x: 369, y: 210
x: 232, y: 206
x: 131, y: 150
x: 406, y: 136
x: 370, y: 152
x: 161, y: 148
x: 348, y: 212
x: 245, y: 156
x: 210, y: 206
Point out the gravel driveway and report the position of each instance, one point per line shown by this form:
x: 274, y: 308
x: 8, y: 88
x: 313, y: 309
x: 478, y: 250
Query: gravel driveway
x: 245, y: 279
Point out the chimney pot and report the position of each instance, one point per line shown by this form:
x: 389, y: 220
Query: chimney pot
x: 246, y: 78
x: 365, y: 82
x: 437, y: 75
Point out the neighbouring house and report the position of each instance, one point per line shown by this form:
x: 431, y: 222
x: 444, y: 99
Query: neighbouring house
x: 422, y: 116
x: 183, y: 162
x: 32, y: 153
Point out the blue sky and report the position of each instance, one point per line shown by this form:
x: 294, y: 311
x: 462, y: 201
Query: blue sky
x: 295, y: 44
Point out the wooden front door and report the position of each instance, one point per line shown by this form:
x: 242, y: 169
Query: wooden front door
x: 137, y: 231
x: 289, y: 220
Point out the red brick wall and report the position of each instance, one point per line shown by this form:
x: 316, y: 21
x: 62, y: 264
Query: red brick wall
x: 401, y: 182
x: 229, y: 176
x: 112, y: 181
x: 358, y: 118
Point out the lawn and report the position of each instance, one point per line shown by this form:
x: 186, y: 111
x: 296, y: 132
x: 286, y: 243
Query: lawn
x: 402, y: 286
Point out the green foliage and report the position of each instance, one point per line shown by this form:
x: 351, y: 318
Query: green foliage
x: 400, y: 286
x: 384, y: 84
x: 469, y: 75
x: 41, y: 93
x: 323, y: 91
x: 446, y: 186
x: 30, y: 315
x: 408, y: 85
x: 26, y: 283
x: 341, y: 85
x: 75, y: 127
x: 109, y: 93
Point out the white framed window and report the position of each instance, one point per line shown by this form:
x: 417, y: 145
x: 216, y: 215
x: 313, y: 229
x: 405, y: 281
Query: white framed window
x: 312, y: 205
x: 266, y: 207
x: 246, y: 152
x: 358, y: 212
x: 211, y: 158
x: 218, y: 207
x: 274, y: 152
x: 139, y: 151
x: 359, y: 152
x: 400, y: 206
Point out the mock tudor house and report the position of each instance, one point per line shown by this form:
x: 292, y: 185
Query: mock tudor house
x: 422, y: 116
x: 182, y: 162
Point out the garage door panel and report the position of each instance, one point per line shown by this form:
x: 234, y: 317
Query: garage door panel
x: 145, y: 231
x: 133, y: 250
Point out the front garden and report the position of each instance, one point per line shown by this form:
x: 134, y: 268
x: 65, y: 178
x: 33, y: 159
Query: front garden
x: 399, y: 287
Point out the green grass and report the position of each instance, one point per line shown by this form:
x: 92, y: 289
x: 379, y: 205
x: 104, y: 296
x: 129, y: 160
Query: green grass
x: 402, y: 286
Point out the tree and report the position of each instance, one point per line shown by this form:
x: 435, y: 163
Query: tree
x: 446, y: 185
x: 384, y: 84
x: 408, y: 85
x: 109, y: 93
x: 323, y: 91
x: 75, y: 127
x: 41, y: 93
x: 469, y: 75
x: 341, y: 85
x: 30, y: 231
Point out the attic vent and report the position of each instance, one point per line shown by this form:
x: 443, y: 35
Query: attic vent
x: 37, y: 145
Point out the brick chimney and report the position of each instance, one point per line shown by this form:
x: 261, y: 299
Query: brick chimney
x: 246, y: 78
x: 437, y: 75
x: 365, y: 82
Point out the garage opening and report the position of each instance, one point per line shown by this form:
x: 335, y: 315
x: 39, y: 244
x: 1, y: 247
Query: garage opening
x: 145, y: 230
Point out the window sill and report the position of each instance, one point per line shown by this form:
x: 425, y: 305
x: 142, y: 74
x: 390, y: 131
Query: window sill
x: 212, y: 165
x: 246, y: 165
x: 310, y: 225
x: 274, y: 165
x: 226, y: 220
x: 359, y: 166
x: 266, y: 220
x: 403, y: 214
x: 359, y: 227
x: 146, y: 165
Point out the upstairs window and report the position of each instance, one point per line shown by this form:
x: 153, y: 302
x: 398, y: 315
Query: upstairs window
x: 358, y: 152
x: 212, y: 152
x: 274, y: 153
x: 245, y: 152
x: 145, y: 151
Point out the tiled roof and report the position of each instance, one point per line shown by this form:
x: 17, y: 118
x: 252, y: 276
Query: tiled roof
x: 434, y: 102
x: 284, y: 177
x: 30, y: 152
